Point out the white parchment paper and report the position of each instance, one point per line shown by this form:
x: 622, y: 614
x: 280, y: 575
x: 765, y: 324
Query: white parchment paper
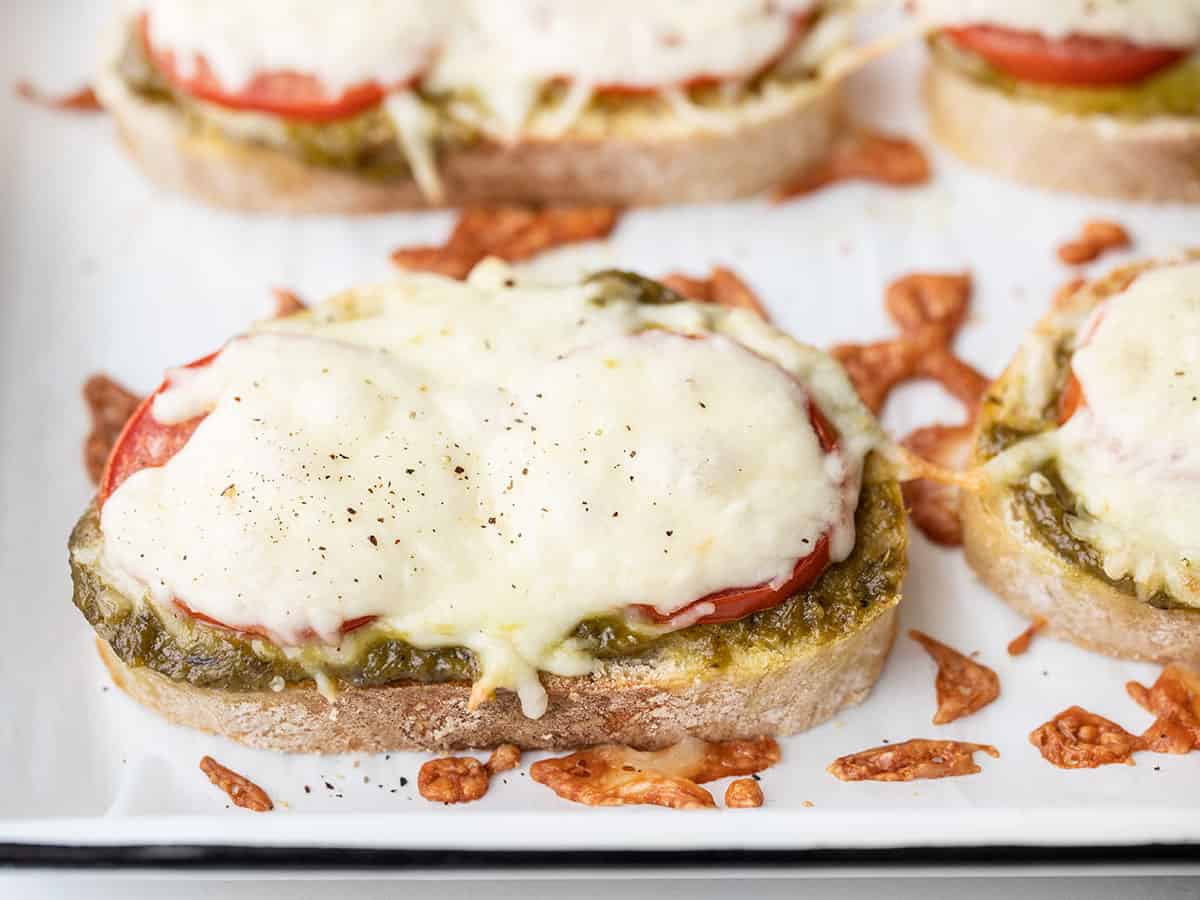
x: 99, y: 272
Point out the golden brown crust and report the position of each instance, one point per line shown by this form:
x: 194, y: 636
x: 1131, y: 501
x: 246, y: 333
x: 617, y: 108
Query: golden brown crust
x: 626, y: 703
x: 1003, y: 549
x: 1155, y: 161
x: 701, y: 167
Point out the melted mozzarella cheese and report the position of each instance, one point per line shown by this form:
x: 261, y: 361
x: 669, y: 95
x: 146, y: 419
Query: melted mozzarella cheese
x: 1174, y: 23
x: 343, y: 44
x: 618, y: 42
x: 487, y: 466
x: 500, y: 54
x: 591, y: 45
x: 1132, y: 454
x: 631, y: 42
x: 1140, y: 369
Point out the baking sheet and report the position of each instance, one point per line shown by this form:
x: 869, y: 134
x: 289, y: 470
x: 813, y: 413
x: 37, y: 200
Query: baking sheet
x: 98, y: 272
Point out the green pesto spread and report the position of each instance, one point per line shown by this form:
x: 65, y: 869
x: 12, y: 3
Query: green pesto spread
x: 1173, y: 91
x: 846, y: 596
x: 1049, y: 514
x: 842, y: 600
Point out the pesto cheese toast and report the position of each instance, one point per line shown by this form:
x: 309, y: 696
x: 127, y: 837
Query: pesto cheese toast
x: 437, y: 514
x: 297, y: 106
x: 1088, y: 507
x: 1099, y: 97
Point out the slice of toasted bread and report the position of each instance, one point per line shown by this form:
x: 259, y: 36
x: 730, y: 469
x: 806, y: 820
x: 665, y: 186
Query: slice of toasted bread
x: 779, y: 686
x: 1157, y: 160
x: 1077, y: 606
x: 1002, y: 547
x: 765, y: 144
x: 639, y: 704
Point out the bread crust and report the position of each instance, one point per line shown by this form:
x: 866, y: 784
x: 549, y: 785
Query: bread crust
x: 704, y: 166
x: 1157, y: 160
x: 1078, y: 607
x: 1002, y: 548
x: 626, y: 702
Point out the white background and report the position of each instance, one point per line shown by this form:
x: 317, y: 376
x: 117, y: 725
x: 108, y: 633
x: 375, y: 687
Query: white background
x: 99, y: 272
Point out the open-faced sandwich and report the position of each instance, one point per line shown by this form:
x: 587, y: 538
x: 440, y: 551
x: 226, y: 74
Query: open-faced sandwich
x: 437, y: 514
x: 1096, y: 96
x: 1090, y: 474
x: 295, y: 105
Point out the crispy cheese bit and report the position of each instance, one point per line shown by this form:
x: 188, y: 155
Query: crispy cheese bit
x: 612, y: 775
x: 730, y: 291
x: 1097, y: 237
x: 503, y: 758
x: 1020, y: 644
x: 863, y: 156
x: 596, y: 778
x: 744, y: 793
x: 511, y: 233
x: 963, y: 685
x: 452, y: 779
x: 928, y: 309
x: 1078, y: 739
x: 934, y: 506
x: 911, y: 761
x: 82, y: 100
x: 109, y: 405
x: 721, y: 759
x: 287, y: 303
x: 1175, y: 700
x: 698, y: 289
x: 1167, y: 736
x: 241, y: 790
x: 723, y: 287
x: 875, y: 369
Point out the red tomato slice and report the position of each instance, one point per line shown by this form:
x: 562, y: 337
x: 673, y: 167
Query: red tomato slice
x: 145, y: 442
x: 1075, y: 60
x: 292, y: 95
x: 1071, y: 399
x: 308, y: 634
x: 736, y: 603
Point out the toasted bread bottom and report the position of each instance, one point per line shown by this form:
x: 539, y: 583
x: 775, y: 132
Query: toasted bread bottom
x: 644, y: 706
x: 1157, y: 160
x: 1077, y: 606
x: 704, y: 166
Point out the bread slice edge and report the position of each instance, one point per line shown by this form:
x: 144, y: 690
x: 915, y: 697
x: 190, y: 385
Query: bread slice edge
x: 709, y: 165
x: 1036, y: 581
x: 1157, y: 160
x: 628, y: 704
